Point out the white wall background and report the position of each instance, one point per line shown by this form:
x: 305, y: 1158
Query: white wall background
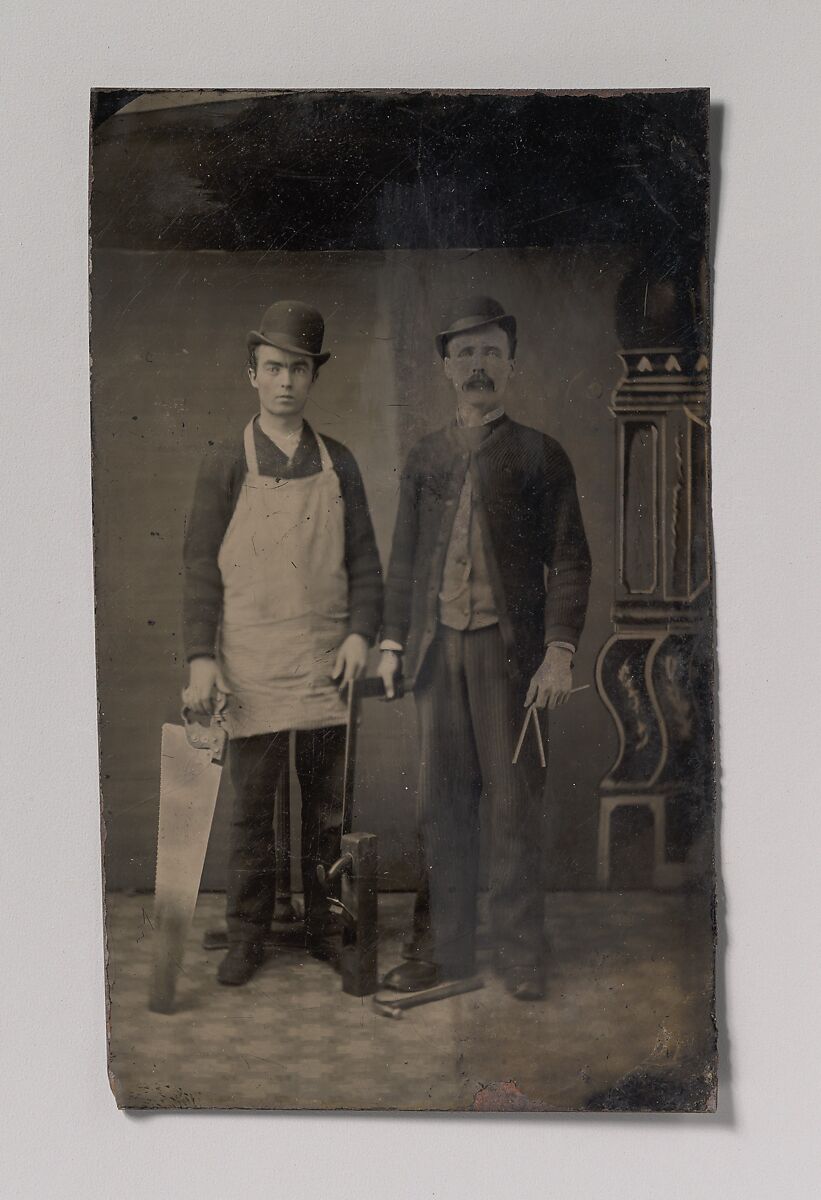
x: 61, y: 1132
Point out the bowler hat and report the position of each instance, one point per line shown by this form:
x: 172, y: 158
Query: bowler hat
x: 292, y: 325
x: 474, y: 313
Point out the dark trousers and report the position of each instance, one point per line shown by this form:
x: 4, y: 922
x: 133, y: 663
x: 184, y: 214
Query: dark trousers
x: 470, y: 715
x: 256, y: 766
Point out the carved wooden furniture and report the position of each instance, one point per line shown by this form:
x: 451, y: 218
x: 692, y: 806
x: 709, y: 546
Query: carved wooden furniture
x: 654, y: 673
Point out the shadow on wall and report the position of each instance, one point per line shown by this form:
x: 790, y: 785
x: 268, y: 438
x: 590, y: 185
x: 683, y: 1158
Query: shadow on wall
x: 168, y: 346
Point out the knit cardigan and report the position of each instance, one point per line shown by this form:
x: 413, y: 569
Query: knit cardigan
x: 525, y: 500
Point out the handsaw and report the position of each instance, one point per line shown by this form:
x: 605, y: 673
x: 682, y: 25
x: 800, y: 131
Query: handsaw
x: 190, y: 772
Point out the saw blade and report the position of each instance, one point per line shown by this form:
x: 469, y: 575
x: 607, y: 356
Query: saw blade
x: 189, y: 783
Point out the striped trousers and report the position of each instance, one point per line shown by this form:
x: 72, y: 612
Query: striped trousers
x: 470, y: 713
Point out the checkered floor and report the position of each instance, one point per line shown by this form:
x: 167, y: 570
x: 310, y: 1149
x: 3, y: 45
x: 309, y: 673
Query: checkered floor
x: 629, y: 986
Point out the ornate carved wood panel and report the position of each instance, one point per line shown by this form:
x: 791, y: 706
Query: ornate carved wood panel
x: 654, y: 674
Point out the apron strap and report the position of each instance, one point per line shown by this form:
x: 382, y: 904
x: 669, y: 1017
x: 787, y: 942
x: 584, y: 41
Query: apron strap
x: 251, y: 460
x: 324, y: 456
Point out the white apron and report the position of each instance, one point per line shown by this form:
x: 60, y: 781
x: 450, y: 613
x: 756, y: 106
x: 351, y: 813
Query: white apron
x: 285, y: 600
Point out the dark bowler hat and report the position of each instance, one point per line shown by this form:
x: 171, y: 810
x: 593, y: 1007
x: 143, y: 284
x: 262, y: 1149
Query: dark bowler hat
x: 292, y: 325
x: 476, y: 312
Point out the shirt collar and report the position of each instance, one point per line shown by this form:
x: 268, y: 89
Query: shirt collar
x: 487, y: 419
x: 294, y: 451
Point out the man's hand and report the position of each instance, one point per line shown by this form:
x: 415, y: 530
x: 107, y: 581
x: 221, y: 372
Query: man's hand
x: 389, y: 670
x: 351, y: 660
x: 552, y: 683
x: 204, y: 681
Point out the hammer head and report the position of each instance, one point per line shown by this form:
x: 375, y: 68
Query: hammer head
x: 387, y: 1010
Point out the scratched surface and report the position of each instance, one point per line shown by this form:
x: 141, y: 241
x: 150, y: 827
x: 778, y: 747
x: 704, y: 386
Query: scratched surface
x: 627, y: 1017
x: 169, y: 354
x: 202, y: 215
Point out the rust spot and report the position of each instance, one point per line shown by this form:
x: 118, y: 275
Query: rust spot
x: 504, y: 1097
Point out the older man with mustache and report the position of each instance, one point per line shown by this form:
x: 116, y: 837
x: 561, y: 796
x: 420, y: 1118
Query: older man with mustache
x: 485, y: 601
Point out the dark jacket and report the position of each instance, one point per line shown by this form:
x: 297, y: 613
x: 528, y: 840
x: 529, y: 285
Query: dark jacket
x: 215, y: 497
x: 525, y: 497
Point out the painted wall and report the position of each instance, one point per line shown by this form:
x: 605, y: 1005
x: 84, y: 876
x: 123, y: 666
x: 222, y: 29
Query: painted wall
x: 168, y: 349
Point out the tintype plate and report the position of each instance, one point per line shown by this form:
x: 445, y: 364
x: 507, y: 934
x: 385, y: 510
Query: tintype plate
x: 493, y: 310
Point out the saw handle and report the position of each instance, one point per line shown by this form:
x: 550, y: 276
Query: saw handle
x: 212, y: 737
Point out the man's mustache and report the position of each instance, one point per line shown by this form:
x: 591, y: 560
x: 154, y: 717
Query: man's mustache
x: 479, y: 380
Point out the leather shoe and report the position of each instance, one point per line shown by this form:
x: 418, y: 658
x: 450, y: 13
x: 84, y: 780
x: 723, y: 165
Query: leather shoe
x: 523, y: 983
x: 240, y: 963
x: 414, y: 975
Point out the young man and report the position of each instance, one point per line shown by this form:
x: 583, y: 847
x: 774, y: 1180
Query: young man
x: 283, y: 595
x: 485, y: 601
